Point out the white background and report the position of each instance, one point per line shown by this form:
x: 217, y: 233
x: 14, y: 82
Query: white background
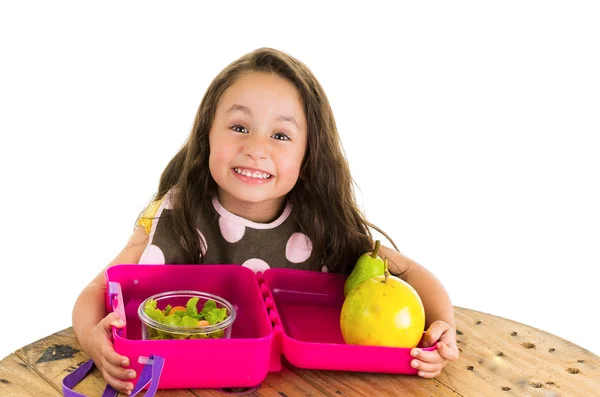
x: 471, y: 130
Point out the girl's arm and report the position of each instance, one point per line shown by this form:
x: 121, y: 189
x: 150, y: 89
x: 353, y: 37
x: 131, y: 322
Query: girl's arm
x: 93, y: 327
x: 89, y: 307
x: 439, y: 314
x: 435, y: 298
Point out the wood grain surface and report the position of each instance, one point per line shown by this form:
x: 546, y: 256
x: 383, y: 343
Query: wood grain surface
x: 499, y: 357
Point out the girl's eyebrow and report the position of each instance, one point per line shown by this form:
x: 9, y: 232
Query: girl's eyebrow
x: 239, y: 108
x: 245, y: 109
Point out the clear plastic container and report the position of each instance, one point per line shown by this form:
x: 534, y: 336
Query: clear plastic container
x: 153, y: 330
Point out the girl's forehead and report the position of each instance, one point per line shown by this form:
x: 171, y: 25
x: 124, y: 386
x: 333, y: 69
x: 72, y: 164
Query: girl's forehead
x: 262, y: 90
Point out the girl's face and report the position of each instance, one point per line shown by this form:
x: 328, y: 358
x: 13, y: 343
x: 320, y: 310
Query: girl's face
x: 257, y: 143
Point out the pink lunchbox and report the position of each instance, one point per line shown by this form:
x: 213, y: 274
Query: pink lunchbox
x: 287, y: 312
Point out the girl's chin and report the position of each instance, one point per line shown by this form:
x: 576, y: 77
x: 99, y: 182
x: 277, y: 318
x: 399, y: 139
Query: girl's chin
x: 251, y: 195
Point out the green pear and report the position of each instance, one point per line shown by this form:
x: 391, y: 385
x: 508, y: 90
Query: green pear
x: 369, y: 265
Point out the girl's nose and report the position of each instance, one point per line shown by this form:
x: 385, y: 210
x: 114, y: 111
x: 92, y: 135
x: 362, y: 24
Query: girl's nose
x: 257, y: 147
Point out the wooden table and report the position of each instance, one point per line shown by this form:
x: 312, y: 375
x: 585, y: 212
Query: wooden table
x: 499, y: 358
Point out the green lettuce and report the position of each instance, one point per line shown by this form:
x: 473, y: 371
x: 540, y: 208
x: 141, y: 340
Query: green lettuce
x: 189, y: 318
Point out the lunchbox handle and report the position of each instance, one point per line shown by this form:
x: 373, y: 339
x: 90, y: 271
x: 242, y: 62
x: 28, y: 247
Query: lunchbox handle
x: 150, y: 377
x: 116, y: 304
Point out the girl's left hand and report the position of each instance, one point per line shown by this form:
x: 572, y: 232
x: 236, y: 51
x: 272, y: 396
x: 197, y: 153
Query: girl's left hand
x: 430, y: 364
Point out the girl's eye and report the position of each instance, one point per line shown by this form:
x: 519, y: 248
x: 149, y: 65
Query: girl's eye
x: 240, y: 129
x: 280, y: 136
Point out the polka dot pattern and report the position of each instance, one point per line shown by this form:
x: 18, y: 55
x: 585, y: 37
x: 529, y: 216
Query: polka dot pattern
x: 298, y: 248
x: 256, y: 265
x: 232, y: 239
x: 154, y: 255
x: 231, y: 230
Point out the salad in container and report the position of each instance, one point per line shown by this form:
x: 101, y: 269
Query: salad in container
x: 186, y: 315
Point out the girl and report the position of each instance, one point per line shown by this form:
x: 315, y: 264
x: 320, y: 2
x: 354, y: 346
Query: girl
x: 261, y: 181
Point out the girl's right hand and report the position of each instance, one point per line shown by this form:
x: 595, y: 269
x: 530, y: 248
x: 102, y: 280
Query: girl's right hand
x: 108, y: 361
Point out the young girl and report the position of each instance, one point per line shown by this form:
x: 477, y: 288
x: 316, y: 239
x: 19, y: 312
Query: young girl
x: 261, y: 181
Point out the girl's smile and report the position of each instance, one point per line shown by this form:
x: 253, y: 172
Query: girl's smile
x: 249, y: 175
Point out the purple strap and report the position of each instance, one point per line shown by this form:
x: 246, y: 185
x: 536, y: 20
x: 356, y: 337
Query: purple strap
x: 150, y: 374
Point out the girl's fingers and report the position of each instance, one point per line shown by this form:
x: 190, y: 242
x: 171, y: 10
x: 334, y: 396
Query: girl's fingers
x: 426, y: 367
x: 113, y: 363
x: 113, y: 320
x: 447, y: 352
x: 428, y: 357
x: 119, y: 372
x: 117, y: 384
x: 434, y: 333
x: 114, y: 358
x: 424, y: 374
x: 430, y: 363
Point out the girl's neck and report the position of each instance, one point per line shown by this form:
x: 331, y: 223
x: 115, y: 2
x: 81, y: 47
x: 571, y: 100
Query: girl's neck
x: 264, y: 212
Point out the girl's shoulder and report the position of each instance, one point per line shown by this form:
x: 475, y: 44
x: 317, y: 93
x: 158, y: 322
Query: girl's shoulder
x: 145, y: 219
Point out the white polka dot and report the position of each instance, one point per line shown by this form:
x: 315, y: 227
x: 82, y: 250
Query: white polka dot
x: 154, y: 255
x: 298, y: 248
x: 231, y: 230
x: 203, y: 245
x: 256, y: 265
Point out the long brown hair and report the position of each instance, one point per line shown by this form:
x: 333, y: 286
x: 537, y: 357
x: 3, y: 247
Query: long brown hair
x: 326, y: 208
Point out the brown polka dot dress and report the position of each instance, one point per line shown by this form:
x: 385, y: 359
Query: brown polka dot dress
x: 229, y: 239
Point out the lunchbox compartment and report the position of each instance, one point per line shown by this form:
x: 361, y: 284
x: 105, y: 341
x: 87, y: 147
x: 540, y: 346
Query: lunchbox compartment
x: 308, y: 306
x: 241, y: 361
